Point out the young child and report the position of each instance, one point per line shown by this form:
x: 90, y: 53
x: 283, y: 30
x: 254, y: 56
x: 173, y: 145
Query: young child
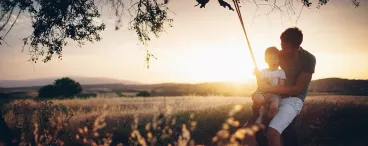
x: 272, y: 76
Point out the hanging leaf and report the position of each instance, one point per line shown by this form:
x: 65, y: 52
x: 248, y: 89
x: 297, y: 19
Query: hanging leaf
x: 225, y: 4
x: 202, y: 3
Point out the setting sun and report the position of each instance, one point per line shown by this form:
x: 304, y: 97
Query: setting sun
x: 224, y: 61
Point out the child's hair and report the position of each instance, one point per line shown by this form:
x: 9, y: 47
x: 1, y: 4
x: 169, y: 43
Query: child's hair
x: 271, y: 51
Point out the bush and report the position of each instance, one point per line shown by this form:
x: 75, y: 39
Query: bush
x: 144, y: 94
x: 86, y: 95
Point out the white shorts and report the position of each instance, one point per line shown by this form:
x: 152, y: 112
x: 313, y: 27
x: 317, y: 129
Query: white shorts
x: 288, y: 109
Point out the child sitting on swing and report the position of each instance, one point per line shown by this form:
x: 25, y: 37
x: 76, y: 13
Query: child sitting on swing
x: 272, y: 76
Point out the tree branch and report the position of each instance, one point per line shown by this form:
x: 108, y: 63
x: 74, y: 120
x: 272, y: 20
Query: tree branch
x: 7, y: 19
x: 12, y: 24
x: 300, y: 13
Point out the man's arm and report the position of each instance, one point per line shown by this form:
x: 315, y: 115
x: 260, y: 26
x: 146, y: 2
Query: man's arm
x: 282, y: 82
x: 302, y: 81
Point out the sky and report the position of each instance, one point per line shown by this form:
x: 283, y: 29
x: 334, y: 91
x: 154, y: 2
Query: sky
x: 205, y: 45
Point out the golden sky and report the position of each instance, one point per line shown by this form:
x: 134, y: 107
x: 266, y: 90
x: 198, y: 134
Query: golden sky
x: 206, y: 45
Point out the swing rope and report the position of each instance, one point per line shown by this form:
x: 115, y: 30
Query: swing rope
x: 236, y: 4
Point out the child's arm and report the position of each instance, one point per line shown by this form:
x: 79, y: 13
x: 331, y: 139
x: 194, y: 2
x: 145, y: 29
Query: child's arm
x: 257, y: 73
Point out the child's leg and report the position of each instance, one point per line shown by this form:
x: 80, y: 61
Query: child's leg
x: 258, y: 102
x: 273, y: 107
x: 260, y: 115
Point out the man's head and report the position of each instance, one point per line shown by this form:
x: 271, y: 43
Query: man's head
x: 291, y: 39
x: 272, y: 57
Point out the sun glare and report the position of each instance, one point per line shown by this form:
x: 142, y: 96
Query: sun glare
x: 221, y: 62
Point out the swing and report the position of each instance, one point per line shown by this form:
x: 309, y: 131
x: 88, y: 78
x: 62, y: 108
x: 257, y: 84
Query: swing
x: 236, y: 5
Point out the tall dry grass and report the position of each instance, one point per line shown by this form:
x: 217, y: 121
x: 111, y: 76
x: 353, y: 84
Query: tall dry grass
x: 176, y: 121
x: 115, y: 115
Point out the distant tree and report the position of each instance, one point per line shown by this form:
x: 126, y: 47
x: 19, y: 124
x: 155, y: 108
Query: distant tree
x: 56, y: 22
x: 143, y: 94
x: 47, y: 91
x: 64, y: 87
x: 67, y: 87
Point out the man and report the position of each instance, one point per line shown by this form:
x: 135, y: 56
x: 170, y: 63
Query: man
x: 299, y: 66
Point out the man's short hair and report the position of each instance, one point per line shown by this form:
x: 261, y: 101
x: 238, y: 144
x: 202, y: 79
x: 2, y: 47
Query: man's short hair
x: 271, y: 51
x: 292, y: 35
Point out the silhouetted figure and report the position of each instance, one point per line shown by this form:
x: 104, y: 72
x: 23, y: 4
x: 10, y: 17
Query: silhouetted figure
x: 299, y: 66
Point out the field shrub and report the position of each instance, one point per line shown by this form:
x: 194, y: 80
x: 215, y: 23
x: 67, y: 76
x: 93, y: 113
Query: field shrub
x: 86, y: 95
x: 144, y: 94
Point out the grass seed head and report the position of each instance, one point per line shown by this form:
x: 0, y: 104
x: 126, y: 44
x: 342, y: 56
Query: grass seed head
x: 237, y: 108
x: 149, y: 135
x: 95, y: 134
x: 236, y: 124
x: 249, y: 132
x: 191, y: 116
x: 214, y: 139
x: 223, y: 134
x: 193, y: 123
x: 239, y: 135
x: 232, y: 140
x: 148, y: 127
x: 92, y: 143
x: 255, y: 128
x: 225, y: 126
x: 173, y: 121
x: 85, y: 129
x: 80, y: 130
x: 230, y: 121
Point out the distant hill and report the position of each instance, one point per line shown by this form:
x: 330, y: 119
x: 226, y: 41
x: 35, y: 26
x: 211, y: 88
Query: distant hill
x: 328, y: 85
x: 340, y: 86
x: 45, y: 81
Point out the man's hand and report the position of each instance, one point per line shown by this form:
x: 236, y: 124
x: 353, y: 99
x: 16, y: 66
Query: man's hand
x: 264, y: 87
x: 301, y: 83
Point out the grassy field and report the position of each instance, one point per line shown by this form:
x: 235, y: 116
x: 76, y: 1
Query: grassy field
x: 193, y: 120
